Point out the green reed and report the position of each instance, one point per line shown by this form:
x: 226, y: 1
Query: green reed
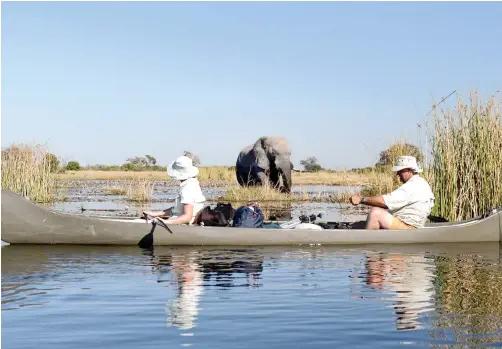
x: 465, y: 170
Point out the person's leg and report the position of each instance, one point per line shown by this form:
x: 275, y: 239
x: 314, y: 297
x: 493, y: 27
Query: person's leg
x: 399, y: 224
x: 378, y: 218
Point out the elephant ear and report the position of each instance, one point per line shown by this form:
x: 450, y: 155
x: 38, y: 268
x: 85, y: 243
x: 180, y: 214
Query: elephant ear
x: 261, y: 156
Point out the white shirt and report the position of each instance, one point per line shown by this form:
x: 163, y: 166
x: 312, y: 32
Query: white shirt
x: 189, y: 193
x: 412, y: 202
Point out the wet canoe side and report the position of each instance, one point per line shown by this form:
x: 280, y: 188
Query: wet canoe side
x: 24, y: 222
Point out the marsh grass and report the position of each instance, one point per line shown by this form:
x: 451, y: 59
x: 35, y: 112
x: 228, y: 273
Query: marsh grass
x: 139, y: 190
x: 26, y: 171
x: 222, y: 175
x: 466, y: 159
x: 259, y: 194
x: 115, y: 191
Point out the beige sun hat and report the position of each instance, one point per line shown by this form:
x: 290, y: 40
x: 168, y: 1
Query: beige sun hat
x: 403, y: 162
x: 182, y: 168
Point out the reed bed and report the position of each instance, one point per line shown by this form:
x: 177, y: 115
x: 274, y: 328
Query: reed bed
x: 466, y: 159
x: 26, y: 171
x: 139, y: 190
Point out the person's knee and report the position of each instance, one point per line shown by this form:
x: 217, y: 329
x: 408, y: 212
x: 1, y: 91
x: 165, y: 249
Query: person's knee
x: 381, y: 216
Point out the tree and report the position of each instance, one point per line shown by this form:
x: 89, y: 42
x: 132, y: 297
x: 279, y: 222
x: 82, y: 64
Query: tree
x: 73, y: 166
x: 310, y: 164
x: 151, y: 160
x: 138, y: 161
x: 195, y: 158
x: 388, y: 156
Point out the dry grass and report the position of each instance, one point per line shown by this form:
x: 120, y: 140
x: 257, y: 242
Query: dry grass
x: 26, y: 171
x: 466, y: 166
x: 139, y: 190
x: 115, y: 191
x: 260, y: 194
x: 226, y: 176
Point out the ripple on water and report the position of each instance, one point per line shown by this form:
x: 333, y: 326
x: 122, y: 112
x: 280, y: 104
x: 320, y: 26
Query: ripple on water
x: 80, y: 297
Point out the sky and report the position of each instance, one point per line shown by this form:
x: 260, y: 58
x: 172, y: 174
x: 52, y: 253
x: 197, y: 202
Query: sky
x: 100, y: 82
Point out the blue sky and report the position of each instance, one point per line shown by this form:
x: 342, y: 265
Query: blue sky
x: 99, y: 82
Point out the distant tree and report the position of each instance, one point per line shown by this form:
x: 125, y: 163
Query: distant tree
x: 137, y: 161
x: 128, y: 166
x: 73, y: 166
x: 151, y: 160
x: 310, y: 164
x: 388, y: 156
x: 195, y: 158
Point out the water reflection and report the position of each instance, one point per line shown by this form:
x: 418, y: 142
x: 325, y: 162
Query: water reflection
x: 193, y: 270
x: 469, y: 291
x: 442, y: 294
x: 408, y: 278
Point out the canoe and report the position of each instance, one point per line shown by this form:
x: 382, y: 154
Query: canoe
x: 24, y: 222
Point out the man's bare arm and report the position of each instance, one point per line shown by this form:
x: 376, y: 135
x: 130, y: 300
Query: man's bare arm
x: 376, y: 201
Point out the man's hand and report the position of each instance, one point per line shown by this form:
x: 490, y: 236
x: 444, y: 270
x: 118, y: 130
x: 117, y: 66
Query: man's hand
x: 355, y: 199
x: 375, y: 201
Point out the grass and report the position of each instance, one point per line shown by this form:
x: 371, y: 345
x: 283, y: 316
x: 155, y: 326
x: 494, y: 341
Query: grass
x: 115, y: 191
x: 210, y: 176
x: 465, y: 170
x: 139, y: 190
x: 26, y: 171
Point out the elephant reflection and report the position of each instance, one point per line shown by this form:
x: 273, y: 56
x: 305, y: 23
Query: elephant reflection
x: 266, y: 162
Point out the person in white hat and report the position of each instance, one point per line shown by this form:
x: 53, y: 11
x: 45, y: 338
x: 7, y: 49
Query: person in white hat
x: 407, y: 207
x: 189, y: 200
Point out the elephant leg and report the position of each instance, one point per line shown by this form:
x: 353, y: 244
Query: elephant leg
x: 242, y: 177
x: 263, y: 179
x: 274, y: 178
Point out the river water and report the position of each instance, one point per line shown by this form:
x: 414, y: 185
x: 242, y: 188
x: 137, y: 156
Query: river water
x: 442, y: 295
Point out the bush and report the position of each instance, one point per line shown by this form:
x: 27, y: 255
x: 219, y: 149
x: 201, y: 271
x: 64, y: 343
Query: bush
x: 73, y: 166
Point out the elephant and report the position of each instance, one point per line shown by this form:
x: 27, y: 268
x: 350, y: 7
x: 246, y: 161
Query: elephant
x: 264, y: 163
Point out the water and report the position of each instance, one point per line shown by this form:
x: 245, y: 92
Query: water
x: 441, y: 295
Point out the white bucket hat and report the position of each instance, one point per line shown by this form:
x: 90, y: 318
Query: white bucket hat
x: 403, y: 162
x: 182, y: 169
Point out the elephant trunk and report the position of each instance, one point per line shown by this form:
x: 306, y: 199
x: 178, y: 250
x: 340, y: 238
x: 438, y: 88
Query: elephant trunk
x: 284, y: 169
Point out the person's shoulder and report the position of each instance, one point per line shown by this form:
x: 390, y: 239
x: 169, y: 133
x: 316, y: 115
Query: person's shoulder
x: 418, y: 182
x: 191, y: 183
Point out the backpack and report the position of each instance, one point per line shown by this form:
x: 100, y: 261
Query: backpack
x: 248, y: 217
x: 226, y: 209
x: 220, y: 216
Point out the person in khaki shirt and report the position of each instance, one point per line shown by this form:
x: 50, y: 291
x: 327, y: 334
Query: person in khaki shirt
x: 407, y: 207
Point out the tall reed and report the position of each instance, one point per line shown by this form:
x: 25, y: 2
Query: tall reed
x: 465, y: 168
x: 140, y: 190
x: 26, y: 170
